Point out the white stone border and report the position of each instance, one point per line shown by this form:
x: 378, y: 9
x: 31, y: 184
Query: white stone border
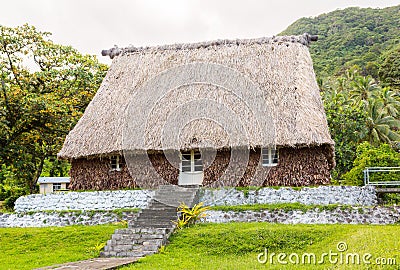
x: 322, y: 195
x: 94, y: 200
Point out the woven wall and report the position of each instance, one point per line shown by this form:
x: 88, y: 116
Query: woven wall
x: 296, y: 167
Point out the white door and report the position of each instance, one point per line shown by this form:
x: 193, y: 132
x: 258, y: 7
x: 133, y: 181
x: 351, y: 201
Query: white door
x: 191, y: 171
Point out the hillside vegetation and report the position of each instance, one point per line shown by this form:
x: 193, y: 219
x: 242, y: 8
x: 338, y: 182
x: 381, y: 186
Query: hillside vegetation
x: 357, y: 62
x: 352, y: 36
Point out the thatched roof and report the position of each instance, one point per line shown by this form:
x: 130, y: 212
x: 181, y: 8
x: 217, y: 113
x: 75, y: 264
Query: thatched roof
x: 215, y: 94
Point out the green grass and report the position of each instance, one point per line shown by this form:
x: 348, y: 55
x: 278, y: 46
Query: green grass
x: 203, y: 246
x: 28, y: 248
x: 236, y: 245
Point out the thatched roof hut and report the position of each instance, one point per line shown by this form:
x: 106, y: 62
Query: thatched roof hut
x: 265, y: 88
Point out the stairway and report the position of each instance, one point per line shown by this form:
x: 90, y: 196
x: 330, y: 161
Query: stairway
x: 153, y: 225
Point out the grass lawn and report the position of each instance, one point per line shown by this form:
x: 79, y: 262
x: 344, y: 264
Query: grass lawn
x: 236, y: 246
x: 28, y: 248
x: 206, y: 246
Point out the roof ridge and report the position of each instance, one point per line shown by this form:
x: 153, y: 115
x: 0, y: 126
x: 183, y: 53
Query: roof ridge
x: 304, y: 39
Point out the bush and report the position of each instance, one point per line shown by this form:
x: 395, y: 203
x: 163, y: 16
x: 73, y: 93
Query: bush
x: 189, y: 216
x: 369, y: 156
x: 10, y: 194
x: 4, y: 192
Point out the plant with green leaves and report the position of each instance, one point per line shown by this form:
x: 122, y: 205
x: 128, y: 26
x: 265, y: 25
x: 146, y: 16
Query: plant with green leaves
x: 344, y: 121
x: 363, y: 88
x: 189, y: 216
x: 95, y: 250
x: 380, y: 127
x: 40, y: 102
x: 370, y: 156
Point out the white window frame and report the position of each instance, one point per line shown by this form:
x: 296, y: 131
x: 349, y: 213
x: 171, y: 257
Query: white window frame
x: 193, y: 166
x: 56, y: 186
x: 269, y: 156
x: 115, y: 163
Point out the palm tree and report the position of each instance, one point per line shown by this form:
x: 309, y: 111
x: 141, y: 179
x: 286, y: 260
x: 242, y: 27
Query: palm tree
x: 379, y: 126
x: 391, y: 101
x: 363, y: 88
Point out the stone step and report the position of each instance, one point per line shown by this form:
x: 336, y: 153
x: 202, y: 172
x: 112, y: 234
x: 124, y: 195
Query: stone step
x: 149, y: 221
x: 172, y: 203
x: 142, y: 231
x: 151, y: 225
x: 134, y: 238
x: 167, y: 193
x: 126, y: 253
x: 155, y: 219
x: 150, y: 217
x: 143, y: 245
x: 161, y: 204
x: 150, y: 229
x: 177, y: 197
x: 158, y: 213
x: 161, y: 208
x: 158, y: 210
x: 166, y: 226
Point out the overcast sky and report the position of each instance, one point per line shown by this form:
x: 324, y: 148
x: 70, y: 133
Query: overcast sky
x: 90, y: 25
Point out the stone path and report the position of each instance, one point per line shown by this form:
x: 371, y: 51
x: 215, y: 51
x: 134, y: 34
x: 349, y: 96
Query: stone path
x: 91, y: 264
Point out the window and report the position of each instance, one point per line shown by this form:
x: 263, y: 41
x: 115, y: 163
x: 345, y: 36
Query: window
x: 56, y: 186
x: 270, y: 156
x: 191, y: 161
x: 116, y: 163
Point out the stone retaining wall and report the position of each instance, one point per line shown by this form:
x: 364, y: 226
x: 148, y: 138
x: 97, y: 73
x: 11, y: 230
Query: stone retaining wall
x: 46, y: 219
x: 95, y: 200
x: 109, y: 200
x: 353, y: 215
x: 359, y: 198
x: 323, y: 195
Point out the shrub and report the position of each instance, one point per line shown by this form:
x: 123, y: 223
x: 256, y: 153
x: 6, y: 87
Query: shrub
x: 369, y: 156
x: 13, y: 193
x: 189, y: 215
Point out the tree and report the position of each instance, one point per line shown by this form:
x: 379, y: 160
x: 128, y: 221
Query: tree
x: 352, y: 36
x: 370, y: 156
x: 391, y: 101
x: 363, y: 88
x: 45, y: 88
x: 344, y: 121
x: 389, y: 70
x: 379, y: 126
x: 358, y: 109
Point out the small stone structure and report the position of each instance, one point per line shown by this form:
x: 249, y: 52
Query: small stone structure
x: 95, y: 200
x: 322, y: 195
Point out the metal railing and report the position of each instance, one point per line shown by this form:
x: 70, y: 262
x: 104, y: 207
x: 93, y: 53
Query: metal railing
x: 369, y: 170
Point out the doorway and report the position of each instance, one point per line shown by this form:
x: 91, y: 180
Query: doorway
x: 191, y: 168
